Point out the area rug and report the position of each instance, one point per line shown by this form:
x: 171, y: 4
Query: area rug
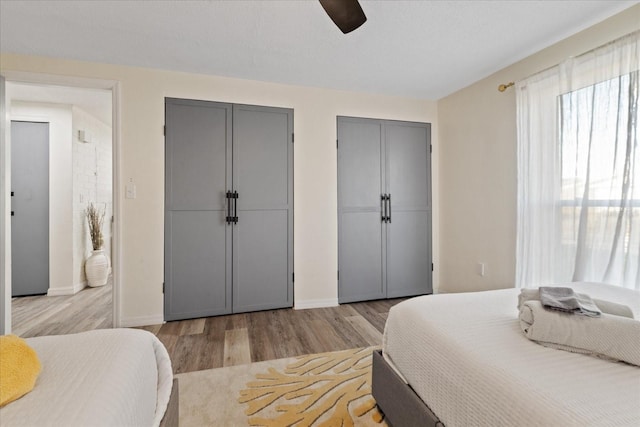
x: 325, y: 389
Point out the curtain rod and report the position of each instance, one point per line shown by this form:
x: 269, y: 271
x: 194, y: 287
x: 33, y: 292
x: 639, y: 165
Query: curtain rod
x: 504, y: 87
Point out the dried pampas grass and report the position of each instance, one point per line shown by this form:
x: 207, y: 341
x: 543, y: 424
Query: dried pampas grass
x: 95, y: 218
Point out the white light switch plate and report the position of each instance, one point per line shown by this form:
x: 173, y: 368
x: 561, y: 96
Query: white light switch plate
x: 130, y: 192
x: 482, y: 268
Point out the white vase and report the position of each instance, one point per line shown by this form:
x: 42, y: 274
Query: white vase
x: 97, y: 269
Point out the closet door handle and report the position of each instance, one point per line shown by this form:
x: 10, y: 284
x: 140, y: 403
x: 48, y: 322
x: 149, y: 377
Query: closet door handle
x: 389, y: 211
x: 235, y: 207
x: 386, y: 207
x: 228, y: 207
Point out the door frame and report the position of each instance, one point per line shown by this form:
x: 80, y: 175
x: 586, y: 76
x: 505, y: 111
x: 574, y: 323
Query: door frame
x: 5, y: 182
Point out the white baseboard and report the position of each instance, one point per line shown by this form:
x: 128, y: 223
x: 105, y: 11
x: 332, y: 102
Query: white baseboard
x: 67, y: 290
x: 80, y: 286
x: 315, y: 303
x: 129, y: 322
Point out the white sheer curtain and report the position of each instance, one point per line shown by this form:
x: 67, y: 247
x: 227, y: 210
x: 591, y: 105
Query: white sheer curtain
x: 579, y: 170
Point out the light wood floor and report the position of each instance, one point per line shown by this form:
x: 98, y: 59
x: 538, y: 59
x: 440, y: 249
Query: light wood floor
x: 215, y: 342
x: 89, y: 309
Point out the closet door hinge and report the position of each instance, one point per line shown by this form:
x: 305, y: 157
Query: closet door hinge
x: 164, y: 130
x: 163, y: 287
x: 430, y: 148
x: 293, y: 277
x: 338, y: 275
x: 431, y: 266
x: 336, y: 143
x: 293, y: 137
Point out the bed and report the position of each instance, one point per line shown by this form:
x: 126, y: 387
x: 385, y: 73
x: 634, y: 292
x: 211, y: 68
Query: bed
x: 462, y: 360
x: 105, y: 377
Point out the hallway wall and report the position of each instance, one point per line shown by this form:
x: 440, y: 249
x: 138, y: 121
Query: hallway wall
x: 92, y: 182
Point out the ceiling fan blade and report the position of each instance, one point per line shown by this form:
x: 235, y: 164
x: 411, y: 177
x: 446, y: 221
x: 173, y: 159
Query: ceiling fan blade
x: 346, y: 14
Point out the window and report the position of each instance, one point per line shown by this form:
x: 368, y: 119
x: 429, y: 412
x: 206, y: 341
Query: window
x: 579, y: 170
x: 600, y: 195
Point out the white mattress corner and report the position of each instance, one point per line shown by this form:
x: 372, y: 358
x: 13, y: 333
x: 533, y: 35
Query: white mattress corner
x: 465, y: 356
x: 100, y: 378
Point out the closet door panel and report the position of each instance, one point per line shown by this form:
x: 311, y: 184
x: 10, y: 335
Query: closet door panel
x: 361, y: 258
x: 263, y: 235
x: 197, y: 145
x: 198, y: 268
x: 408, y: 165
x: 261, y: 145
x: 409, y: 254
x: 197, y: 239
x: 261, y: 276
x: 360, y: 169
x: 360, y: 229
x: 408, y: 182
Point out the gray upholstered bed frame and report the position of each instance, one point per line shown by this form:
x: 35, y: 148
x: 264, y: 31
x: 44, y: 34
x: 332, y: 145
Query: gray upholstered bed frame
x: 171, y: 416
x: 396, y: 400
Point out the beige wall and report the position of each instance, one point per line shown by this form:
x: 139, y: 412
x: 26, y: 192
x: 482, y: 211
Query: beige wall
x: 478, y: 164
x: 142, y: 154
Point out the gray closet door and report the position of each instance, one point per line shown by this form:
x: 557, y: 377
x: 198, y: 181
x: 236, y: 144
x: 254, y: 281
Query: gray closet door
x: 383, y: 258
x: 29, y: 208
x: 197, y: 238
x: 263, y: 233
x: 361, y: 243
x: 408, y: 183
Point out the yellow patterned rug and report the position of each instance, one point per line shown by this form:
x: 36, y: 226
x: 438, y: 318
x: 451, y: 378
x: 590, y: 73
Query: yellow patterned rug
x: 325, y: 389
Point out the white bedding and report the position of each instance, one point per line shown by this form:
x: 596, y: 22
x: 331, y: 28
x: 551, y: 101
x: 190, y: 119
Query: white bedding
x: 110, y: 377
x: 466, y: 357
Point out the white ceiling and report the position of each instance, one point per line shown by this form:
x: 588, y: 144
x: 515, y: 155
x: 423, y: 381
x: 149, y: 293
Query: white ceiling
x: 419, y: 49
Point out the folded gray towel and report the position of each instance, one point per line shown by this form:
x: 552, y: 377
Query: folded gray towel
x: 608, y: 307
x: 565, y: 300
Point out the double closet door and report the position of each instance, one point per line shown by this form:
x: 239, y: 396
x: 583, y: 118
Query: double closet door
x: 384, y: 209
x: 228, y: 208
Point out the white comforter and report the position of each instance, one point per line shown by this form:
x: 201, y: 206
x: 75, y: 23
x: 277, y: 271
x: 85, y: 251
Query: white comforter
x: 110, y: 377
x: 466, y: 357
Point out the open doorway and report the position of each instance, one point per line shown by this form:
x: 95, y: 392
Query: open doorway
x: 74, y: 126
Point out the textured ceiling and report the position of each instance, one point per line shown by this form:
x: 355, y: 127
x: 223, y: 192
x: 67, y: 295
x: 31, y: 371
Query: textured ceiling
x: 419, y: 49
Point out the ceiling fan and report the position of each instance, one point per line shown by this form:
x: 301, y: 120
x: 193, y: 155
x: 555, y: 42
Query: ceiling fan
x: 346, y: 14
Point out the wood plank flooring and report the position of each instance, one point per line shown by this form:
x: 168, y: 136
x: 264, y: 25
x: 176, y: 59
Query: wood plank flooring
x: 89, y: 309
x: 215, y: 342
x: 236, y: 339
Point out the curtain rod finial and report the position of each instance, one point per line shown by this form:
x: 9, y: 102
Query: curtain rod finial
x: 504, y: 87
